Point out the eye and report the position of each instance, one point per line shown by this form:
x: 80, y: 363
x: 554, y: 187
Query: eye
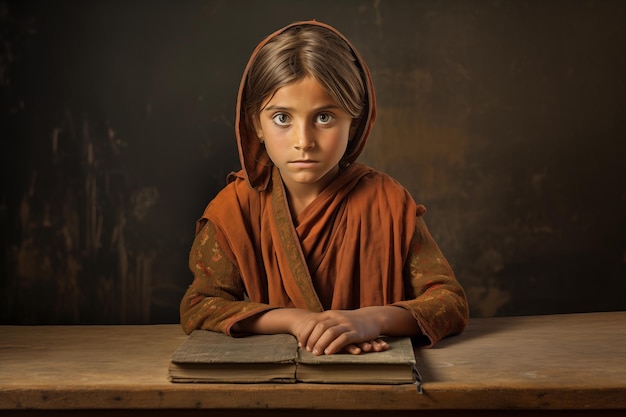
x: 325, y: 118
x: 281, y: 119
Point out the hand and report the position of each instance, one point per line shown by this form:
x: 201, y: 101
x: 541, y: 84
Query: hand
x: 332, y: 331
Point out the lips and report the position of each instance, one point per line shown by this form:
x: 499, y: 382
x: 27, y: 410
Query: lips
x: 303, y: 164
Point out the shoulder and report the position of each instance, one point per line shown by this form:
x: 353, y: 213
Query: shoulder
x: 379, y: 182
x: 236, y: 197
x: 382, y: 179
x: 380, y: 188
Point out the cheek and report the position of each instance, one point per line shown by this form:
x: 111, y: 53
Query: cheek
x: 275, y: 147
x: 342, y: 138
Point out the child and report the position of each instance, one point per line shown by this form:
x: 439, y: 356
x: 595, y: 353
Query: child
x: 303, y: 239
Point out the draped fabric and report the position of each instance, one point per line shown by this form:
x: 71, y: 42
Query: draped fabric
x: 361, y: 242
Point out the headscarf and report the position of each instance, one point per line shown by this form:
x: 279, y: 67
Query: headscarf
x: 255, y: 161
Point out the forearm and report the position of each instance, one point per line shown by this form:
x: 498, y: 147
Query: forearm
x: 435, y: 299
x: 278, y: 320
x: 392, y: 320
x: 440, y: 311
x: 200, y: 311
x: 215, y: 300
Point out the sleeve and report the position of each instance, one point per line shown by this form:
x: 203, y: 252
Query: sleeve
x: 215, y: 300
x: 434, y: 296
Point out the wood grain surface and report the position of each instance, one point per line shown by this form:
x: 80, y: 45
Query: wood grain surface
x: 571, y: 362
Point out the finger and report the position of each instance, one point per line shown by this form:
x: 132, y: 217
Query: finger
x: 304, y: 333
x: 352, y: 349
x: 336, y: 339
x: 379, y: 345
x: 322, y: 334
x: 366, y: 346
x: 305, y: 328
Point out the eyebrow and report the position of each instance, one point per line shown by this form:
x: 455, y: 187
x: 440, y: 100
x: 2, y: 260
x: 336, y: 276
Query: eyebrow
x: 317, y: 110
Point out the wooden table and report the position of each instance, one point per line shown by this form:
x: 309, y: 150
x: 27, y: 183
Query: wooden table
x: 559, y: 364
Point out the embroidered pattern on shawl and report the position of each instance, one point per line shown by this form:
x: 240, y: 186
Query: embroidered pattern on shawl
x: 298, y: 271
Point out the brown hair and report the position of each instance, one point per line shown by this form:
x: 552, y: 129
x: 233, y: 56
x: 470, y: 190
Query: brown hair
x: 302, y: 51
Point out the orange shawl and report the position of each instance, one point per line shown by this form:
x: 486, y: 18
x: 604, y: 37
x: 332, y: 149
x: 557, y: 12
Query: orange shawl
x: 347, y: 251
x: 361, y: 242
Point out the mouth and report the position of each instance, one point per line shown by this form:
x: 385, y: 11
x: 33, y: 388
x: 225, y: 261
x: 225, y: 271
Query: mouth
x: 303, y: 162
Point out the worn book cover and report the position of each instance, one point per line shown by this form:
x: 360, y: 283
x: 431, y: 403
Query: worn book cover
x: 207, y: 356
x: 393, y: 366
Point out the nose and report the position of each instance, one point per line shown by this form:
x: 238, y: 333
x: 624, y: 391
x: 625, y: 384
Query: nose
x: 304, y: 137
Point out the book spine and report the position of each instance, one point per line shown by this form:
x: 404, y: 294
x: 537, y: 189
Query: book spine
x: 418, y: 380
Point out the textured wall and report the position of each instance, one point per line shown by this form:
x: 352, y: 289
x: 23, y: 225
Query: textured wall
x: 505, y: 118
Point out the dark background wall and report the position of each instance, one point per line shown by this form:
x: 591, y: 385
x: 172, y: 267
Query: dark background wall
x: 505, y: 118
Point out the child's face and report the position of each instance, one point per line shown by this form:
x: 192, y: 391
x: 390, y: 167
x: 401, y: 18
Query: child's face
x: 305, y: 133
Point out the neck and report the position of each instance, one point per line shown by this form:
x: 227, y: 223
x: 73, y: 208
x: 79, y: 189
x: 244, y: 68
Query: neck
x: 298, y: 201
x: 300, y: 195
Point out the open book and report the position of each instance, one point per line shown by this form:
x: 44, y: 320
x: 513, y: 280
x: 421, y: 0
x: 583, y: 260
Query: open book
x: 207, y: 356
